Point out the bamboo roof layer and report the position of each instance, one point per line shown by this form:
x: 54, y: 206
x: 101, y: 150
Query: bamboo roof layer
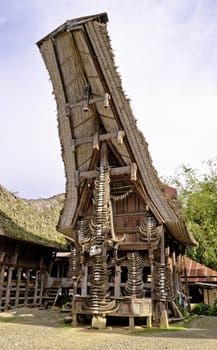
x: 31, y: 220
x: 78, y: 54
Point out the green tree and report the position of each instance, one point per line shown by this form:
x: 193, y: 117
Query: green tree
x: 198, y: 196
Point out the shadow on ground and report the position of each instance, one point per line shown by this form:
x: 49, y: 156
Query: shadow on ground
x: 201, y: 328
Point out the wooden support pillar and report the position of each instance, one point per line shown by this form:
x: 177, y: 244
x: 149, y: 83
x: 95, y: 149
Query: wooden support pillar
x: 26, y: 295
x: 117, y: 291
x: 19, y: 273
x: 149, y: 322
x: 74, y: 320
x: 162, y: 248
x: 186, y: 284
x: 36, y: 288
x: 131, y: 323
x: 104, y: 155
x: 41, y: 262
x: 2, y: 256
x: 164, y: 323
x: 41, y: 273
x: 2, y: 277
x: 8, y: 291
x: 84, y: 281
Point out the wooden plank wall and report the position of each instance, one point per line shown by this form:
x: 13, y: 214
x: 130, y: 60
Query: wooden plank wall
x: 22, y: 281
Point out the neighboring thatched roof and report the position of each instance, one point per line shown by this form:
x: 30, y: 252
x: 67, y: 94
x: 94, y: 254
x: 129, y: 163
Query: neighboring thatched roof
x: 78, y: 55
x: 32, y: 220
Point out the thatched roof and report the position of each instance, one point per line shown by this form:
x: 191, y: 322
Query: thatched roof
x: 32, y: 220
x: 78, y: 54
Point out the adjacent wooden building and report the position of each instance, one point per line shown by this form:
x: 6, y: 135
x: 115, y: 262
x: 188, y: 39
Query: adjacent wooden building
x: 28, y: 242
x: 199, y: 281
x: 127, y: 235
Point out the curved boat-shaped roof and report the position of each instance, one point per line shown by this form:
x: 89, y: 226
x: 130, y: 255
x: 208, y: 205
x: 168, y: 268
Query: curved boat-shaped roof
x: 80, y: 61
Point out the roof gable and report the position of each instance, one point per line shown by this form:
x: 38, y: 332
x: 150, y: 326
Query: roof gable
x: 92, y: 108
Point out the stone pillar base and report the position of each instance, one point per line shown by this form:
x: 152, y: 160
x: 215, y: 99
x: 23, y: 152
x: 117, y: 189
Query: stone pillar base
x: 164, y: 319
x: 98, y: 322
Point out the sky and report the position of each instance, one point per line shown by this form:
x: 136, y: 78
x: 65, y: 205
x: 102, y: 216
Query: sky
x: 166, y: 51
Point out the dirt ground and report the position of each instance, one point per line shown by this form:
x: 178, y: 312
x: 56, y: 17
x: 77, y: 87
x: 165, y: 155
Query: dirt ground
x: 35, y: 329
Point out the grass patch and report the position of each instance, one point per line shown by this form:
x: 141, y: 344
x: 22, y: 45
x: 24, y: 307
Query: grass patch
x: 64, y: 324
x: 160, y: 330
x: 9, y: 319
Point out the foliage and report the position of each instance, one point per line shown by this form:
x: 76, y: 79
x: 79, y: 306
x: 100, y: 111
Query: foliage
x: 201, y: 309
x: 198, y: 196
x: 204, y: 309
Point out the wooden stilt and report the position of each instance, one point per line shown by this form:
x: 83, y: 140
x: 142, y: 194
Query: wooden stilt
x: 41, y: 287
x: 149, y: 322
x: 117, y: 291
x: 26, y: 301
x: 84, y: 281
x: 2, y: 276
x: 19, y: 272
x: 164, y: 323
x: 74, y: 320
x: 131, y: 323
x: 36, y: 289
x: 8, y: 291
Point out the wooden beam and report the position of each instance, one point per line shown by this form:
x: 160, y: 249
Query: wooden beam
x: 131, y: 170
x: 119, y: 135
x: 88, y: 101
x: 96, y: 141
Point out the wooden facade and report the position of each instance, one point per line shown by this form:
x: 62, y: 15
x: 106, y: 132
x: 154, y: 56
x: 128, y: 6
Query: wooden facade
x: 28, y: 242
x: 24, y: 269
x: 126, y: 234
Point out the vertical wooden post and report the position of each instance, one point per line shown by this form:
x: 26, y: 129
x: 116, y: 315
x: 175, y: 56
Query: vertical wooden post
x: 162, y: 248
x: 84, y: 281
x: 8, y: 291
x: 74, y: 320
x: 2, y: 276
x: 149, y: 322
x: 117, y: 281
x: 41, y: 286
x: 131, y: 323
x: 187, y: 285
x: 36, y: 289
x: 27, y: 288
x: 104, y: 155
x: 19, y: 272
